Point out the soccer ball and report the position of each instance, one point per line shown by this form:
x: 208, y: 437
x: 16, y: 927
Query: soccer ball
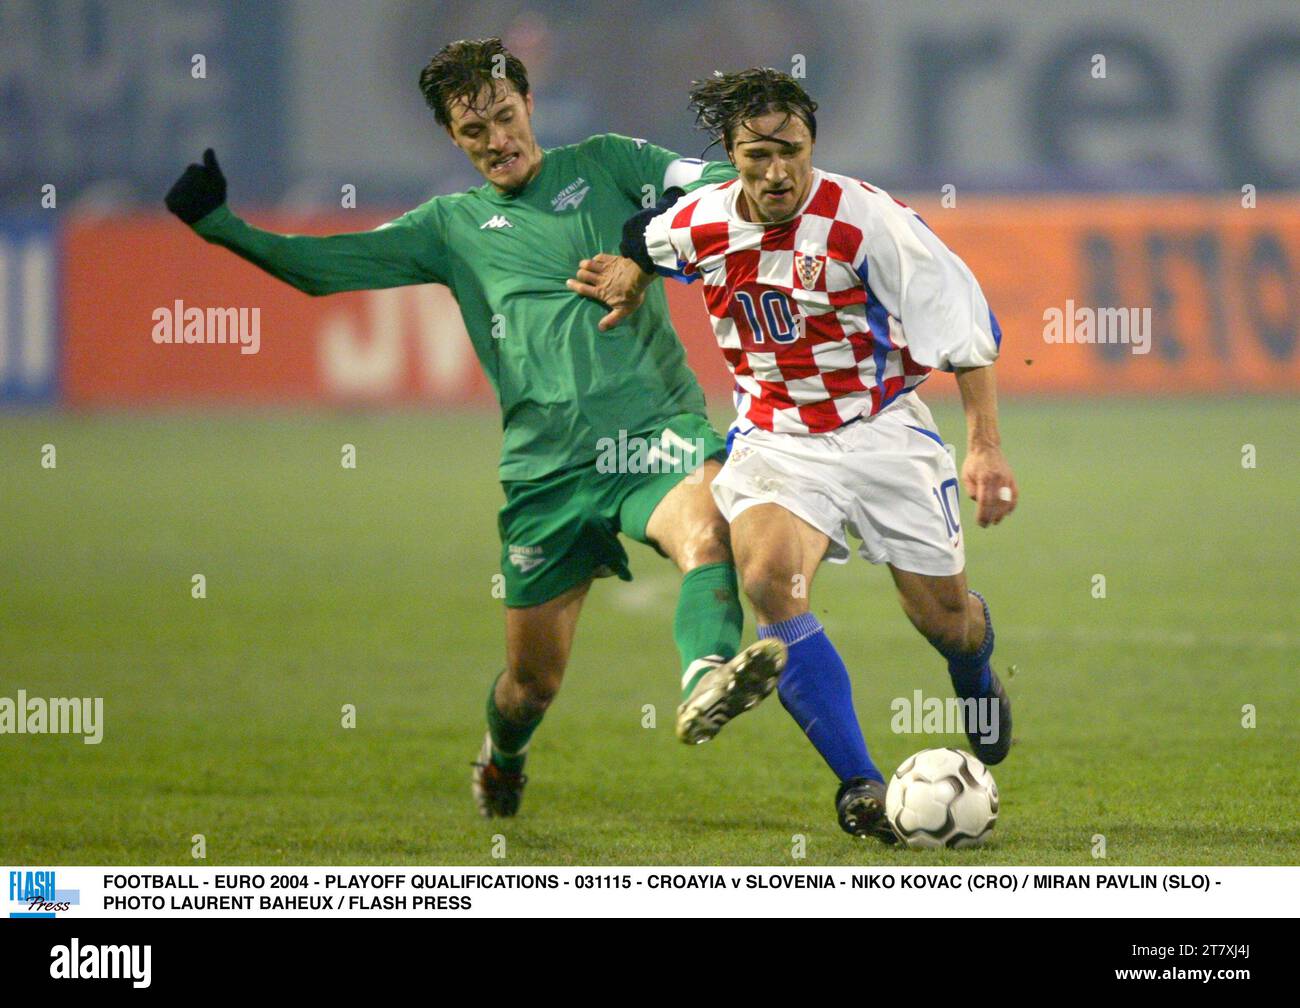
x: 942, y: 798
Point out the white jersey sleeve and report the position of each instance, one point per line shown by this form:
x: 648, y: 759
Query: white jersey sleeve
x: 683, y: 172
x: 663, y: 242
x: 920, y: 281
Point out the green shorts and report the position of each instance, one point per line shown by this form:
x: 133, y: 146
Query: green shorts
x: 562, y: 530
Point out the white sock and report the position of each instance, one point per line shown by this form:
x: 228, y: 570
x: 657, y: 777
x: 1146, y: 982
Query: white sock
x: 698, y: 666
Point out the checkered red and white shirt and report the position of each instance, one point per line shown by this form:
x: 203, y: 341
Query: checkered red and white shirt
x: 833, y: 314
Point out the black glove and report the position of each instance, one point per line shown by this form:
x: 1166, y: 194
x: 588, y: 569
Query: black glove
x: 633, y: 244
x: 199, y: 190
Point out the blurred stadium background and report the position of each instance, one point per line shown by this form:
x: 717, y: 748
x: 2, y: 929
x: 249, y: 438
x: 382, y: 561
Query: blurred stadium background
x: 1169, y: 183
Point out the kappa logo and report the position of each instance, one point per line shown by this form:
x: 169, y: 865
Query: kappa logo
x: 526, y: 557
x: 571, y: 196
x: 495, y: 223
x: 809, y: 268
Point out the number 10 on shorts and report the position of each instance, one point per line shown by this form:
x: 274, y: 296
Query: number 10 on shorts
x: 946, y: 494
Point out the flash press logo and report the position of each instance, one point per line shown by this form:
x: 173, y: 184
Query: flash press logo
x: 75, y: 961
x: 37, y: 894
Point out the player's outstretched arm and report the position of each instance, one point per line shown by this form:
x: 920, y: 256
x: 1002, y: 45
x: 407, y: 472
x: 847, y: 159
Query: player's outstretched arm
x: 985, y: 473
x: 403, y: 252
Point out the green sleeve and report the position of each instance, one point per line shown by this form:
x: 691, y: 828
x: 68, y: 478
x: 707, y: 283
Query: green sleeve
x: 408, y: 250
x: 639, y: 163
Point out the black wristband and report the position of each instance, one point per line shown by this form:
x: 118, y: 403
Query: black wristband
x: 633, y: 244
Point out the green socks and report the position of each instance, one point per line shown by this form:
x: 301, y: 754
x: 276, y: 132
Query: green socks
x: 509, y: 740
x: 706, y: 629
x: 708, y: 621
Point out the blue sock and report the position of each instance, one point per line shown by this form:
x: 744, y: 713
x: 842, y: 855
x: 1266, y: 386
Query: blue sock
x: 971, y: 674
x: 815, y: 689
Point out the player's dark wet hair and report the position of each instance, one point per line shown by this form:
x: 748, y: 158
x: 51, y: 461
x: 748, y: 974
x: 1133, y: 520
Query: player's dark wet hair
x: 725, y: 101
x: 461, y: 70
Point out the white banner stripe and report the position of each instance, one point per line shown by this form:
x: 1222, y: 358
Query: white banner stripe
x: 796, y: 891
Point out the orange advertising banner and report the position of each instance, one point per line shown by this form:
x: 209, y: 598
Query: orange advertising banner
x: 1095, y: 296
x: 393, y: 346
x: 1189, y: 294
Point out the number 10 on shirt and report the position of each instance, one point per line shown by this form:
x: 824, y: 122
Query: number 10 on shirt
x: 774, y: 310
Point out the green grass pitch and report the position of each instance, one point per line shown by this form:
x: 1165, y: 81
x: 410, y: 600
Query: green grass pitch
x: 328, y: 586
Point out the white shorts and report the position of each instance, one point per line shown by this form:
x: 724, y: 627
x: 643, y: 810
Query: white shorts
x: 886, y: 480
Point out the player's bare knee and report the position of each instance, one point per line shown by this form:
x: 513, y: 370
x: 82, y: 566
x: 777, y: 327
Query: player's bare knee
x: 708, y: 542
x: 771, y: 589
x: 531, y: 690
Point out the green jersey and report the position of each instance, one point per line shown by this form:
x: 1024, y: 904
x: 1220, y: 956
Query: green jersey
x: 562, y: 384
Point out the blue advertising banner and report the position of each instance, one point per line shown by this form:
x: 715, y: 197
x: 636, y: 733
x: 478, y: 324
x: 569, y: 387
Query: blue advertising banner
x: 29, y: 310
x: 108, y: 101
